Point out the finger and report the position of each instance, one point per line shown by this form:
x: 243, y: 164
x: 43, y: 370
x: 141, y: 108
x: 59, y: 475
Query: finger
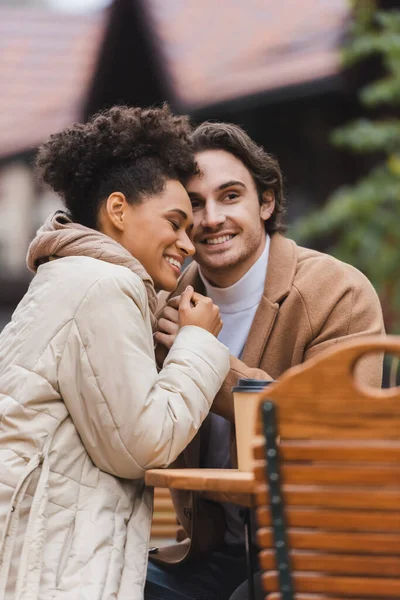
x: 196, y: 298
x: 170, y: 313
x: 167, y: 326
x: 164, y: 339
x: 174, y: 302
x: 185, y: 298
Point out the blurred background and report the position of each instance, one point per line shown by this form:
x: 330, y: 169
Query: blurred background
x: 316, y: 82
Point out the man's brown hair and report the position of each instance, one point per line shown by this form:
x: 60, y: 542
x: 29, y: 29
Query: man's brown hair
x: 263, y: 167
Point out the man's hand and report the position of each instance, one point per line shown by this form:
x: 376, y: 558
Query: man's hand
x: 168, y: 323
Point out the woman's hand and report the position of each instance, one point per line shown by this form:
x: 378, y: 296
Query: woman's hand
x: 198, y: 310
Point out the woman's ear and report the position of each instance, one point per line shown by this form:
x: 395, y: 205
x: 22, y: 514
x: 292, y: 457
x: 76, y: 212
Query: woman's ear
x: 268, y: 205
x: 115, y: 209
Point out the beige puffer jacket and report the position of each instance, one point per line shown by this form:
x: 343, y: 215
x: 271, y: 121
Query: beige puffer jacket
x: 83, y: 414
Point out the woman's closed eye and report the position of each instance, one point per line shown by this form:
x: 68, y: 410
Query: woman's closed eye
x: 175, y: 225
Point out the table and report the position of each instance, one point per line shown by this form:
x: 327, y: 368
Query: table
x: 220, y: 485
x: 218, y: 481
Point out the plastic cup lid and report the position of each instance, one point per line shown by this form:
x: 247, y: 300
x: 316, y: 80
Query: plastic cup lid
x: 251, y: 385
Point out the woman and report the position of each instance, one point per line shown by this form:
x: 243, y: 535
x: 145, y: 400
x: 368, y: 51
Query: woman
x: 84, y: 411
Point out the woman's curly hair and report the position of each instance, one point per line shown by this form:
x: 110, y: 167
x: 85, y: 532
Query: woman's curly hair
x: 130, y: 150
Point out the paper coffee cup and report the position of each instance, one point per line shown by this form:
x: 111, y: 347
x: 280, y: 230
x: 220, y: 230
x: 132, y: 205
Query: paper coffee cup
x: 246, y: 402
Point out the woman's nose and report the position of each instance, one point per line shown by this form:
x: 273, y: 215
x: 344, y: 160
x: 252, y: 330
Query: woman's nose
x: 185, y: 245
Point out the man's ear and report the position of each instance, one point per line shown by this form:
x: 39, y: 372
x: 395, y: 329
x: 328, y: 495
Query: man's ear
x: 268, y: 204
x: 115, y: 210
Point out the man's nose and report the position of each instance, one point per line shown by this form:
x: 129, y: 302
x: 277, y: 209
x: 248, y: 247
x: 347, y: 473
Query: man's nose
x: 213, y: 217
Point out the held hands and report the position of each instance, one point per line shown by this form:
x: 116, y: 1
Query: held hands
x: 195, y: 309
x: 190, y: 308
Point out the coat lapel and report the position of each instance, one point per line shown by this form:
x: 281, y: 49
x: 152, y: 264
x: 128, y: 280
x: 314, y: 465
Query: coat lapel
x: 191, y: 277
x: 260, y: 330
x: 281, y: 269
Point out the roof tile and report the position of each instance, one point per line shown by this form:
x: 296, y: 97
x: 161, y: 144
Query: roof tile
x: 216, y: 50
x: 46, y: 62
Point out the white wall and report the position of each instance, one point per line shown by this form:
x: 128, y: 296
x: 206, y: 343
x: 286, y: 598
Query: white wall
x: 23, y: 208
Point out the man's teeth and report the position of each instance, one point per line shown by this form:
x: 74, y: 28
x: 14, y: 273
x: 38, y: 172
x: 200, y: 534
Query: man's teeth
x: 220, y: 240
x: 174, y: 262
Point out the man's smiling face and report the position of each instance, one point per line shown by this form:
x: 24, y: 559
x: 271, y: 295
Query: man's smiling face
x: 228, y: 221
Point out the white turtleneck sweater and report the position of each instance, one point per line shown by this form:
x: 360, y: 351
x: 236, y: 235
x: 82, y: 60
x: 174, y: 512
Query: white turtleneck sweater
x: 237, y: 304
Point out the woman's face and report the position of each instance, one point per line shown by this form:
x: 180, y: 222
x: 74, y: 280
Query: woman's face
x: 154, y: 231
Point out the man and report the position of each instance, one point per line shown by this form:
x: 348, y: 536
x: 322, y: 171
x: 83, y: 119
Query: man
x: 280, y: 304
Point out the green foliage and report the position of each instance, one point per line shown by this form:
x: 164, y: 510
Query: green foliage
x: 369, y: 136
x: 364, y: 219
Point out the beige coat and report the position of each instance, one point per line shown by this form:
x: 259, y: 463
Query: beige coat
x: 83, y: 414
x: 311, y: 302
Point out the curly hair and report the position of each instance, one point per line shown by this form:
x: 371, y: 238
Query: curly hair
x: 130, y: 150
x: 263, y: 167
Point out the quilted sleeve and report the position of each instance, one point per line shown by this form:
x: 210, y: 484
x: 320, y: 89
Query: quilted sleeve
x: 129, y: 416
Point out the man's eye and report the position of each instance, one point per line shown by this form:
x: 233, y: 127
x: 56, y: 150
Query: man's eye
x: 232, y: 196
x: 195, y: 204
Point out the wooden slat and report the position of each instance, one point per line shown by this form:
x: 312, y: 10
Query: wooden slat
x: 277, y: 596
x: 163, y: 531
x: 164, y: 523
x: 333, y: 497
x: 338, y: 474
x: 342, y: 564
x: 337, y: 520
x: 353, y: 422
x: 163, y: 505
x: 165, y: 518
x: 335, y: 451
x: 161, y: 493
x: 303, y: 539
x: 365, y: 586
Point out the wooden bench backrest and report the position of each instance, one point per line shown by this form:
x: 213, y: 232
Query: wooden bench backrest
x: 339, y: 455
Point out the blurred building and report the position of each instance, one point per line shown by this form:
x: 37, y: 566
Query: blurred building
x: 46, y: 64
x: 273, y: 67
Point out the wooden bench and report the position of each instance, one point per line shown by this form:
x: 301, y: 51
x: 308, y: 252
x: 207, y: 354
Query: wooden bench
x: 164, y: 523
x: 327, y: 486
